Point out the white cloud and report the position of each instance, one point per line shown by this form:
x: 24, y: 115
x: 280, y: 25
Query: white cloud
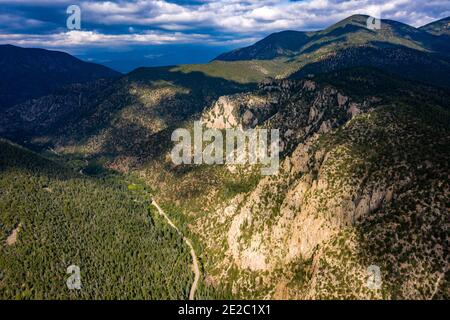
x: 37, y: 2
x: 76, y: 38
x: 229, y: 22
x: 14, y: 21
x: 255, y: 16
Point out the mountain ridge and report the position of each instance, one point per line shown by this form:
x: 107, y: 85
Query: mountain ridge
x: 353, y: 26
x: 363, y: 179
x: 439, y: 27
x: 32, y: 72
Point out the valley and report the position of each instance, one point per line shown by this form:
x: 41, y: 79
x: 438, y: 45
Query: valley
x: 86, y: 176
x: 193, y: 254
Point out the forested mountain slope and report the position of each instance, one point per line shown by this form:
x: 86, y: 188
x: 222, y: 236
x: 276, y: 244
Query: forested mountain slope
x: 350, y: 32
x: 363, y: 181
x: 439, y: 28
x: 101, y: 224
x: 31, y: 73
x: 364, y: 175
x: 396, y: 47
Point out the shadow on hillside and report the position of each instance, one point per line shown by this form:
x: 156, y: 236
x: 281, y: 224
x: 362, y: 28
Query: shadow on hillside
x: 100, y: 110
x: 398, y: 60
x: 199, y: 91
x: 20, y: 160
x: 320, y: 45
x: 406, y: 235
x: 101, y: 120
x: 359, y: 82
x: 336, y: 33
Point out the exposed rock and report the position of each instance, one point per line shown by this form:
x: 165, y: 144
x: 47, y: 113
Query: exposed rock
x: 12, y: 238
x: 353, y: 110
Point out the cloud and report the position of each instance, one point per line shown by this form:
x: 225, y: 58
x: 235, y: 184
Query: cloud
x: 215, y: 22
x: 37, y: 2
x: 17, y: 22
x: 256, y: 16
x: 94, y: 39
x: 253, y: 16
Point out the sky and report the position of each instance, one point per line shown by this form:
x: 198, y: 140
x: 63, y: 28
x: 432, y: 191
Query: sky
x: 128, y: 34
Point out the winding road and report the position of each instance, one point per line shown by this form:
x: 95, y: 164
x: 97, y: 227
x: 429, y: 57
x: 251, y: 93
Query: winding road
x: 188, y: 242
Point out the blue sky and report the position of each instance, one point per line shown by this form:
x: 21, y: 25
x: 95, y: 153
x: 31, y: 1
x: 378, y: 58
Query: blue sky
x: 127, y: 34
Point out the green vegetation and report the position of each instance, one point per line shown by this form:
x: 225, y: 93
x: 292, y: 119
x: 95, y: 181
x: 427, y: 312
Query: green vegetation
x: 363, y: 175
x: 98, y: 224
x: 241, y: 71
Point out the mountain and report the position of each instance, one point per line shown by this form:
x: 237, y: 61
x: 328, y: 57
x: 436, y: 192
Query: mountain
x: 55, y: 215
x: 396, y: 47
x: 349, y: 32
x: 30, y: 73
x: 438, y: 28
x: 362, y: 183
x: 398, y: 60
x: 119, y: 117
x: 285, y: 44
x: 364, y: 126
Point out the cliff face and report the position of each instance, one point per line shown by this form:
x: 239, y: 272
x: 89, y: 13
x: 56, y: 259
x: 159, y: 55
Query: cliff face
x: 358, y: 209
x: 361, y: 183
x: 363, y: 179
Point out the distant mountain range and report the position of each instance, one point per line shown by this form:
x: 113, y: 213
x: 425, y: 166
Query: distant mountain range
x: 416, y: 53
x: 30, y: 73
x: 439, y: 28
x: 352, y: 31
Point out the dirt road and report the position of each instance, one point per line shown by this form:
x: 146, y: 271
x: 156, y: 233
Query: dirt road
x: 188, y: 242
